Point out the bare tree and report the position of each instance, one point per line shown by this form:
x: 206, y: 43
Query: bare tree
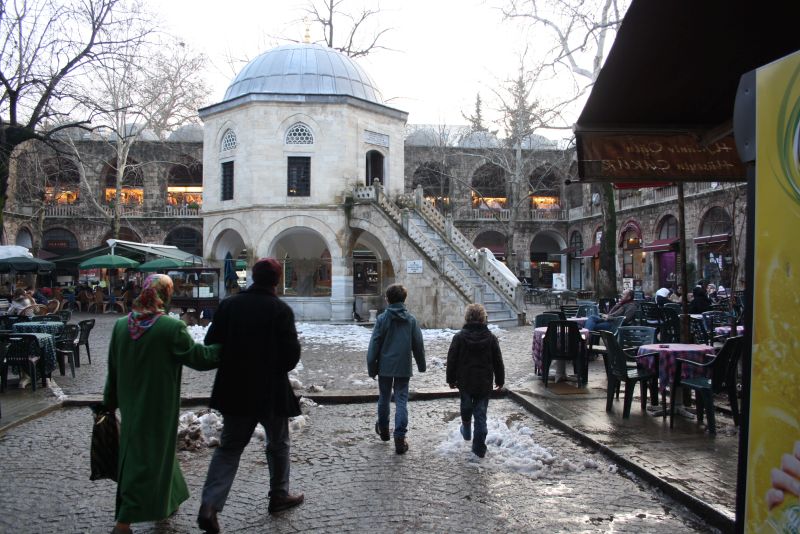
x: 359, y: 28
x: 46, y: 49
x: 581, y: 30
x: 142, y: 94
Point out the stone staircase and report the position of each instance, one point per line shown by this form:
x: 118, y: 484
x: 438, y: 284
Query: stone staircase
x: 474, y: 273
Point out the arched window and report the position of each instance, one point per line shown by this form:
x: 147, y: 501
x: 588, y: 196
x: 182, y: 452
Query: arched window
x: 716, y: 222
x: 228, y: 141
x: 63, y: 181
x: 435, y: 184
x: 59, y: 241
x: 489, y: 184
x: 185, y: 185
x: 299, y: 134
x: 24, y: 238
x: 576, y: 243
x: 543, y: 188
x: 668, y: 228
x: 132, y: 186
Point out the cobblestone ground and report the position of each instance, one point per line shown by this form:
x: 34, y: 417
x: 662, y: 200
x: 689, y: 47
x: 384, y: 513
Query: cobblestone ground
x: 353, y: 482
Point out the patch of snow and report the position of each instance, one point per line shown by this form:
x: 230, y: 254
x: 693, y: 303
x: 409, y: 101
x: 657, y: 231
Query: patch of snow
x: 315, y: 388
x: 295, y: 383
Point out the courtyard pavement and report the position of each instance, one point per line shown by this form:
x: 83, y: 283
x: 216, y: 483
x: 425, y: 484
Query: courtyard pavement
x: 605, y: 474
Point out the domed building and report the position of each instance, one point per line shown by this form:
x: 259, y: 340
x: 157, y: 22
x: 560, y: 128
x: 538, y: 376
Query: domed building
x: 299, y: 127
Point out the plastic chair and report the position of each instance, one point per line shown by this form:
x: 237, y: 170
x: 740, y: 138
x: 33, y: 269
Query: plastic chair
x: 713, y: 319
x: 585, y: 310
x: 618, y: 372
x: 671, y: 327
x: 67, y: 346
x: 697, y: 331
x: 83, y: 339
x: 53, y: 306
x: 595, y: 348
x: 563, y: 342
x: 65, y: 315
x: 650, y: 314
x: 544, y: 318
x: 635, y: 336
x: 722, y: 370
x: 570, y: 310
x: 23, y: 352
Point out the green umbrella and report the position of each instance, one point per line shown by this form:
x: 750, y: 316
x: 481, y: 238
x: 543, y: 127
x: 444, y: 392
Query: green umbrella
x: 108, y: 261
x: 23, y: 264
x: 162, y: 264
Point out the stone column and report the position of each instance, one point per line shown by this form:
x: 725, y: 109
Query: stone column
x: 341, y: 288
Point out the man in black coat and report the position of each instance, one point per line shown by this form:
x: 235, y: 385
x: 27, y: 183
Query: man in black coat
x: 259, y: 347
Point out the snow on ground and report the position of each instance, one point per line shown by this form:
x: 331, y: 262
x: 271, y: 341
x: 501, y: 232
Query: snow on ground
x: 511, y: 448
x: 355, y: 337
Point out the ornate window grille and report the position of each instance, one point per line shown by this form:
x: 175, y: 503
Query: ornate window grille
x: 228, y: 140
x: 299, y: 134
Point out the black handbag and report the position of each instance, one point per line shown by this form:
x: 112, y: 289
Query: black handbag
x: 105, y: 444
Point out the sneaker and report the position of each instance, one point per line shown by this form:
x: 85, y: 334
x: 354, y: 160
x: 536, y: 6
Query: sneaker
x: 400, y: 445
x: 383, y: 432
x: 207, y: 519
x: 466, y: 430
x: 278, y: 503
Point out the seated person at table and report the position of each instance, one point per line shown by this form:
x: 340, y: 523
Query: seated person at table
x: 700, y: 302
x: 37, y: 295
x: 626, y: 307
x: 21, y: 301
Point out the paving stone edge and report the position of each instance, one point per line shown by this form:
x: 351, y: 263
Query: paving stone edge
x: 711, y: 515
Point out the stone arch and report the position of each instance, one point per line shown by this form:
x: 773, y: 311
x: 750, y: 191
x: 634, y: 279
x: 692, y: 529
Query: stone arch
x: 267, y: 238
x: 559, y: 241
x: 666, y: 227
x: 362, y: 228
x: 545, y: 256
x: 631, y: 225
x: 489, y: 187
x: 59, y: 240
x: 187, y: 239
x: 24, y: 237
x: 125, y: 234
x: 185, y: 183
x: 492, y: 240
x: 435, y: 182
x: 227, y: 235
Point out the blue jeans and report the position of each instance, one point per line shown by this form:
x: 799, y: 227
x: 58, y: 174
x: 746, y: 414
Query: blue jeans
x: 475, y: 406
x: 236, y: 433
x: 400, y: 386
x: 595, y: 322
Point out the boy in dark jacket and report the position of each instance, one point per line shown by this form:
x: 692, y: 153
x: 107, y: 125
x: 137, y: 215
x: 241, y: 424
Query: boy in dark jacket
x: 395, y: 337
x: 473, y: 360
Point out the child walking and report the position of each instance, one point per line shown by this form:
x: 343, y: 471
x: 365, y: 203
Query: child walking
x: 474, y: 361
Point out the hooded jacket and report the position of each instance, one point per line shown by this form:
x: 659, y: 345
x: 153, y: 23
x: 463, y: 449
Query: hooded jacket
x: 474, y: 359
x: 395, y: 337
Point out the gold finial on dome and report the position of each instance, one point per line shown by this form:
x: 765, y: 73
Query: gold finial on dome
x: 307, y: 36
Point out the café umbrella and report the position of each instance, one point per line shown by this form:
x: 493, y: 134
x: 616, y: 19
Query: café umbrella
x: 108, y: 261
x: 162, y: 264
x: 23, y: 264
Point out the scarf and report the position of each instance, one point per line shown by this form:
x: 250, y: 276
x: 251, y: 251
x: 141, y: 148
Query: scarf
x: 150, y: 304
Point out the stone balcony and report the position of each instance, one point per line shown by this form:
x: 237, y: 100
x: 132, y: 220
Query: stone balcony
x: 133, y: 211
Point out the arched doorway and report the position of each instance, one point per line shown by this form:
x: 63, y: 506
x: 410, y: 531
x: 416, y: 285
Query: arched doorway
x: 545, y: 259
x: 374, y: 170
x: 306, y: 264
x: 665, y: 253
x: 633, y: 257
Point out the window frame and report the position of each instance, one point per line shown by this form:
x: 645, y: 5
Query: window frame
x: 227, y: 188
x: 298, y: 187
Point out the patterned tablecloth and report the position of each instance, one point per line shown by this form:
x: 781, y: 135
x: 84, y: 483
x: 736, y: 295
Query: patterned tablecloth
x: 536, y: 347
x: 54, y: 328
x: 48, y: 346
x: 667, y: 355
x: 726, y: 330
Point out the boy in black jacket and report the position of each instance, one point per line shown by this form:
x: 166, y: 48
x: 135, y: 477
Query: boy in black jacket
x: 473, y: 361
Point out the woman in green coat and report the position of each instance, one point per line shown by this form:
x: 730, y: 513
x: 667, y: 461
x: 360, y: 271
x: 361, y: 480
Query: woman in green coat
x: 145, y: 358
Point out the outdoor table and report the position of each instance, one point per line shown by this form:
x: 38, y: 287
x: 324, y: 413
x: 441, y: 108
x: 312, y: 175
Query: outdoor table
x: 726, y: 330
x: 580, y: 320
x: 54, y: 328
x: 668, y: 352
x: 537, y: 346
x: 47, y: 345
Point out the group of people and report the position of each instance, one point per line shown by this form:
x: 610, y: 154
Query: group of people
x: 253, y: 344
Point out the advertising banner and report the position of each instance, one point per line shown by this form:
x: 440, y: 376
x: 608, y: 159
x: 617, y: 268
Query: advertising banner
x: 773, y: 448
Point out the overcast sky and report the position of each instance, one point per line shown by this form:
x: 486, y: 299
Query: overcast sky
x: 443, y: 51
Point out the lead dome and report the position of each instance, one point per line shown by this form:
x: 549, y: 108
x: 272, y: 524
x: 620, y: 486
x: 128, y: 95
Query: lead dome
x: 304, y: 69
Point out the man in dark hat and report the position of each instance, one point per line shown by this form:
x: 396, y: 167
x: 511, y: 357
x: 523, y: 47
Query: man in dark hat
x: 259, y: 348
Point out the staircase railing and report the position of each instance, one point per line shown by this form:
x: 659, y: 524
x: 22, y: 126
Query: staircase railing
x: 506, y: 285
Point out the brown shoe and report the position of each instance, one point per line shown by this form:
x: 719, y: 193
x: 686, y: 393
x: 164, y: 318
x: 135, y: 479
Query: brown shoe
x: 400, y: 445
x: 278, y: 503
x: 207, y: 519
x: 382, y: 431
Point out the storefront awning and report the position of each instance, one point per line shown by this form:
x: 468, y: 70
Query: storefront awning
x: 590, y: 252
x: 712, y: 239
x: 661, y: 245
x: 661, y: 109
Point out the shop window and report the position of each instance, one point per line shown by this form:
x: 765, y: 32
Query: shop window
x: 489, y: 187
x: 366, y: 273
x: 185, y: 186
x: 298, y: 180
x: 131, y: 187
x: 63, y: 181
